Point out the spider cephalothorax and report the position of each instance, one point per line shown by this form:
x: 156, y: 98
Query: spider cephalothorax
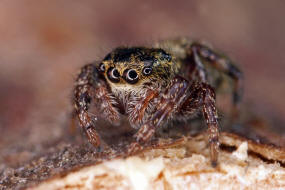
x: 152, y: 86
x: 137, y: 67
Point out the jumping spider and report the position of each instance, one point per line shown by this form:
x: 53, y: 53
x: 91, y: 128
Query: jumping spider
x: 152, y: 86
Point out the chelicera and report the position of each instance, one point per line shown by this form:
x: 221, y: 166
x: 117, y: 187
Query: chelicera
x: 153, y: 85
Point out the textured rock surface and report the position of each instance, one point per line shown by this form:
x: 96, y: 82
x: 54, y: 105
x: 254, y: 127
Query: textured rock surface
x: 183, y: 166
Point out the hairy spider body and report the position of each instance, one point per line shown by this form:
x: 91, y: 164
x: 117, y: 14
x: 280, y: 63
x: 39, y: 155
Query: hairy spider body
x: 152, y: 86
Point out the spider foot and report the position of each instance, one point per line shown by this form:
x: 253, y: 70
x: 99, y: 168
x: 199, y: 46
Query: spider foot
x: 94, y: 138
x: 133, y: 148
x: 214, y: 154
x: 214, y: 150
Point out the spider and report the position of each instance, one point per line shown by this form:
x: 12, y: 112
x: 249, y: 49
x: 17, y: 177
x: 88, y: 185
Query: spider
x: 152, y: 86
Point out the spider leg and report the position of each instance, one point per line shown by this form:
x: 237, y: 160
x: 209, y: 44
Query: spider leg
x: 176, y: 98
x: 225, y: 65
x: 166, y: 105
x: 202, y: 98
x: 89, y: 86
x: 197, y: 70
x: 136, y: 114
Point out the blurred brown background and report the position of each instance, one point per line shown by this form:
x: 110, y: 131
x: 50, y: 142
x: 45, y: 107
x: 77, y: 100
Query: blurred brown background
x: 44, y: 43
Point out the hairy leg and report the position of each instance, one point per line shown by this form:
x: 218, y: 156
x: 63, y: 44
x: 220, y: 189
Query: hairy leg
x: 202, y: 98
x: 88, y: 87
x: 193, y: 54
x: 177, y: 98
x: 184, y: 48
x: 197, y: 70
x: 223, y: 64
x: 136, y: 115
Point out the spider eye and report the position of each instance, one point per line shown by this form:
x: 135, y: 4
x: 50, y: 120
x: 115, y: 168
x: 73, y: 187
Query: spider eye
x: 147, y: 71
x: 131, y: 76
x: 113, y: 74
x: 102, y: 67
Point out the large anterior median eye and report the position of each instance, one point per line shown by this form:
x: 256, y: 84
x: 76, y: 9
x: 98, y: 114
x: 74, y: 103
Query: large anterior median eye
x: 131, y: 76
x: 113, y: 74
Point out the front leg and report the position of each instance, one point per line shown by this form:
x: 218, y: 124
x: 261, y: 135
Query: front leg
x: 182, y: 99
x: 89, y: 86
x: 137, y: 113
x: 202, y: 98
x: 194, y: 55
x: 166, y: 107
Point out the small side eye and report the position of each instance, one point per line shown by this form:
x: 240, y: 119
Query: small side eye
x: 113, y: 74
x: 131, y: 76
x: 102, y: 67
x: 147, y: 71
